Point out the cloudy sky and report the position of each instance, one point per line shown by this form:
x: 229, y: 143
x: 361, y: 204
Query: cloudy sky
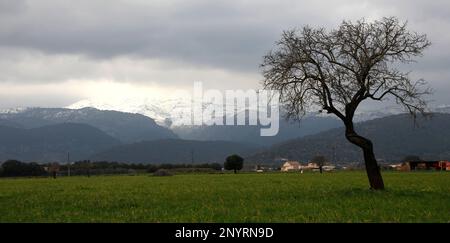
x: 56, y: 52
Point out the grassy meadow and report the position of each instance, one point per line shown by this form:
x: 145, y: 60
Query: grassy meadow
x: 245, y: 197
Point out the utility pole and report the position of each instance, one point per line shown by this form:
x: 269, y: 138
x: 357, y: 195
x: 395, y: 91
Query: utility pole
x: 68, y: 164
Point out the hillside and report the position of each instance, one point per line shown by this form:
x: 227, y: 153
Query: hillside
x: 52, y: 142
x: 251, y: 134
x: 394, y: 137
x: 173, y: 151
x: 126, y: 127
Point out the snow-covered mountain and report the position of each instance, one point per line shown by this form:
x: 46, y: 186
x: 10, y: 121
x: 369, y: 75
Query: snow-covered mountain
x: 163, y: 111
x: 174, y: 111
x: 147, y: 114
x: 442, y: 109
x: 125, y: 127
x: 367, y: 115
x: 177, y: 111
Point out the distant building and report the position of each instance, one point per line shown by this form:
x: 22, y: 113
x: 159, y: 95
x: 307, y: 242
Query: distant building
x: 312, y: 165
x: 427, y: 165
x: 260, y: 168
x: 403, y: 167
x: 291, y: 166
x: 447, y: 165
x: 328, y: 167
x: 422, y: 165
x: 296, y: 166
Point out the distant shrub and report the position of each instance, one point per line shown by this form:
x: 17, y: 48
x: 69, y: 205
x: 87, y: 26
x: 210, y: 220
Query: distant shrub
x: 18, y: 168
x: 185, y: 167
x: 162, y: 172
x: 234, y: 162
x: 152, y: 168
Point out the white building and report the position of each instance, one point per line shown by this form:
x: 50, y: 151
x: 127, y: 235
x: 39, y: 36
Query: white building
x: 291, y: 166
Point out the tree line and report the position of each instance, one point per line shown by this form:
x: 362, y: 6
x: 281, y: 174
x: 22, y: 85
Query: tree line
x: 15, y: 168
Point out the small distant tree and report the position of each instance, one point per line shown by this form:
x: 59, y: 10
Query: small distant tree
x: 152, y: 168
x: 88, y: 166
x: 320, y: 161
x: 13, y: 168
x: 234, y: 162
x: 85, y: 167
x: 53, y: 169
x: 18, y: 168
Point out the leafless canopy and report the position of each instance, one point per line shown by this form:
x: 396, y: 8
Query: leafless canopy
x: 336, y: 70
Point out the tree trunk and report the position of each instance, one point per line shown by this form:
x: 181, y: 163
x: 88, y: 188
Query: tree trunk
x: 320, y: 168
x: 235, y: 171
x: 372, y: 168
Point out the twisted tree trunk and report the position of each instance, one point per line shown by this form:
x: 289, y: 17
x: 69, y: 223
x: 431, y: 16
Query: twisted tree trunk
x: 372, y: 168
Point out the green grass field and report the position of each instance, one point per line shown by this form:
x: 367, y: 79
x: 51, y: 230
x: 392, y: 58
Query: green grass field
x: 269, y: 197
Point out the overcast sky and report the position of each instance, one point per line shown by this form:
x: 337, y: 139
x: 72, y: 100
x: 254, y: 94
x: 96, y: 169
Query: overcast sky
x: 56, y: 52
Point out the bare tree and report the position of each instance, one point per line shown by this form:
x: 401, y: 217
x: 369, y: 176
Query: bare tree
x: 320, y: 161
x: 54, y: 169
x: 334, y: 71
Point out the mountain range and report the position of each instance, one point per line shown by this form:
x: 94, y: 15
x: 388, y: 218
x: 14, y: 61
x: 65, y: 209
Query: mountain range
x: 251, y: 134
x: 126, y: 127
x: 47, y: 134
x: 172, y: 111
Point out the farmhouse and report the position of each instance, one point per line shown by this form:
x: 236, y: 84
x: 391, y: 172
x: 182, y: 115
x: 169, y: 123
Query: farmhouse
x: 329, y: 167
x: 295, y: 165
x: 312, y: 165
x: 291, y: 165
x: 423, y: 165
x: 400, y: 167
x: 427, y: 165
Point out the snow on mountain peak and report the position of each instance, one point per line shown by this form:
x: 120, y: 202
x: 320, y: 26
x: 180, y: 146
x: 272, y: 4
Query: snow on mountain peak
x: 158, y: 109
x: 175, y: 111
x: 13, y: 110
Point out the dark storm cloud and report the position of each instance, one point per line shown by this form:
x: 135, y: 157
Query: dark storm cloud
x: 223, y: 34
x: 218, y: 33
x: 77, y: 38
x: 214, y: 33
